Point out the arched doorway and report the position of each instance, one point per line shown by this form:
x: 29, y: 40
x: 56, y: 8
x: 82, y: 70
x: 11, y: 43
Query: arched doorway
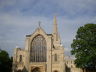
x: 35, y: 69
x: 55, y: 71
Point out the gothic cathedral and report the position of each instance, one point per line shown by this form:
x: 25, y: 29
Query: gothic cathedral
x: 42, y: 53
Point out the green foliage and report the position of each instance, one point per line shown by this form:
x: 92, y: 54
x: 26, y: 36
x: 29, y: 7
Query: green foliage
x: 5, y: 62
x: 84, y: 46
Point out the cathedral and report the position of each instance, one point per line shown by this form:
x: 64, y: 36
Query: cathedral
x: 42, y: 53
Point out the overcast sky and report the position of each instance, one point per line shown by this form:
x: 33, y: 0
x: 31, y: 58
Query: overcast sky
x: 20, y: 17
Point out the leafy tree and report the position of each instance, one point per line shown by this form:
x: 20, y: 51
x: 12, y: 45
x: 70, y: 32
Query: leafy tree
x: 5, y: 62
x: 84, y: 46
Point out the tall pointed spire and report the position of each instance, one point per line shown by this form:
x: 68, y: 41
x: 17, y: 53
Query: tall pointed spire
x: 55, y: 31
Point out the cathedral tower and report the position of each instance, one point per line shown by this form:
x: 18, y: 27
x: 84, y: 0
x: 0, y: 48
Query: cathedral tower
x: 56, y: 36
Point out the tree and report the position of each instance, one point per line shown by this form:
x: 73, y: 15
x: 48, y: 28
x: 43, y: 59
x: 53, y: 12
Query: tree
x: 5, y: 62
x: 84, y: 46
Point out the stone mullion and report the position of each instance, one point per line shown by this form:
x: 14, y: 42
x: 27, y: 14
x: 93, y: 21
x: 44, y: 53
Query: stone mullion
x: 43, y: 51
x: 40, y: 52
x: 35, y: 51
x: 31, y: 53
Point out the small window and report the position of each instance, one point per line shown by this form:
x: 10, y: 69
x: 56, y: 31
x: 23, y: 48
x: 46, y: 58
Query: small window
x: 71, y: 62
x: 20, y: 60
x: 55, y: 57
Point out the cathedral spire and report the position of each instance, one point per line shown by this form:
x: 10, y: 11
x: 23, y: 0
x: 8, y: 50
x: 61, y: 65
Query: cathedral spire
x: 55, y: 31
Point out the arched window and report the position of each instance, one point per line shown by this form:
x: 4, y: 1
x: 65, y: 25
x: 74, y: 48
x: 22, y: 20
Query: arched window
x: 55, y: 57
x: 38, y: 49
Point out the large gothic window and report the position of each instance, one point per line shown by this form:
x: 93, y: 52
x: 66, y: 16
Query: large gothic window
x: 38, y: 49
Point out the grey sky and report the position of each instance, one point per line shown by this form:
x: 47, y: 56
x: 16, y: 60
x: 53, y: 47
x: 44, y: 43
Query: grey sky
x: 21, y: 17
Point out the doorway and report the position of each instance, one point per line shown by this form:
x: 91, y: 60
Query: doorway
x: 35, y: 69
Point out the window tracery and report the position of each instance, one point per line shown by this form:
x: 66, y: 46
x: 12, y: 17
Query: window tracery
x: 38, y: 49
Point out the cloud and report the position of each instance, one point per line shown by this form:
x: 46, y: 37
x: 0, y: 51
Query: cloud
x: 15, y: 28
x: 77, y: 7
x: 21, y: 17
x: 69, y: 8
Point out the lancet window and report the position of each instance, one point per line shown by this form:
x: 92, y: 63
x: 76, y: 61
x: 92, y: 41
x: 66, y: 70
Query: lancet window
x: 55, y: 57
x: 20, y: 59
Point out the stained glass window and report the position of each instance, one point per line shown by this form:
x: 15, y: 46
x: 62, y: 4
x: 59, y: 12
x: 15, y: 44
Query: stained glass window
x: 38, y: 49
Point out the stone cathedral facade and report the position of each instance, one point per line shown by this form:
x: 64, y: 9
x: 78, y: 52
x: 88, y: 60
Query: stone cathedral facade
x: 42, y: 53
